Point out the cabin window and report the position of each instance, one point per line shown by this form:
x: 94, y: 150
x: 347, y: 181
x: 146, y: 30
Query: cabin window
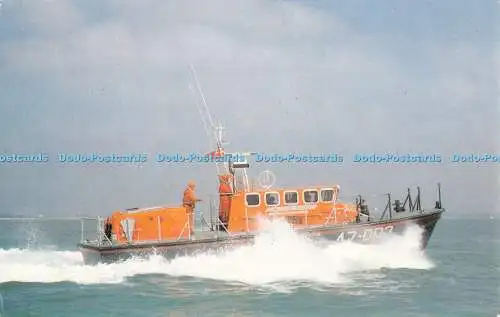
x: 272, y: 199
x: 291, y: 198
x: 310, y: 196
x: 252, y: 199
x: 327, y: 195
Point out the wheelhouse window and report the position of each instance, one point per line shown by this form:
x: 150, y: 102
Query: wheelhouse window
x: 327, y: 195
x: 291, y: 198
x: 252, y: 200
x: 310, y: 196
x: 272, y: 199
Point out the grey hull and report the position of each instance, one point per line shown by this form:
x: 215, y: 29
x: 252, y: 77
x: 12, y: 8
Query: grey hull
x: 359, y: 232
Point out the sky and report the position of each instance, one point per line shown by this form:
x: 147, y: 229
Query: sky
x: 346, y: 77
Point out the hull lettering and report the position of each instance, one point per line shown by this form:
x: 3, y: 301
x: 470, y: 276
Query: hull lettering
x: 364, y: 235
x: 367, y: 234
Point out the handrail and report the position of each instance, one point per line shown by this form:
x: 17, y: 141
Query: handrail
x: 203, y: 220
x: 105, y: 236
x: 183, y: 229
x: 99, y: 231
x: 158, y: 224
x: 82, y: 229
x: 224, y: 226
x: 414, y: 205
x: 219, y: 222
x: 439, y: 195
x: 141, y: 209
x: 210, y: 212
x: 89, y: 218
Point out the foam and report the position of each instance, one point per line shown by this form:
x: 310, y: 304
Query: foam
x: 279, y: 255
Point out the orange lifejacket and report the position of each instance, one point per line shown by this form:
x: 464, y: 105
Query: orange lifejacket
x: 189, y: 199
x: 225, y: 195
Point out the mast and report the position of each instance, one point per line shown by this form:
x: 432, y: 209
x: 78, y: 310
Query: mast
x: 226, y: 164
x: 213, y: 132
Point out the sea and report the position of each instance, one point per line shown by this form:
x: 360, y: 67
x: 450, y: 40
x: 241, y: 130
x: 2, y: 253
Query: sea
x: 281, y: 274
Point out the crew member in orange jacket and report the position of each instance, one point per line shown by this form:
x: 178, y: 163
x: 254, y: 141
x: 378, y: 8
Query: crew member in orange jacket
x: 189, y: 202
x: 225, y: 196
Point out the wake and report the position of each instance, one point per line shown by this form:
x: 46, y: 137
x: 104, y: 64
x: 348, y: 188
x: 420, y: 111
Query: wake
x: 277, y: 255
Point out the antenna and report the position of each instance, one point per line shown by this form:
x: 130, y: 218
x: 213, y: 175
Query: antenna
x: 217, y: 131
x: 207, y: 130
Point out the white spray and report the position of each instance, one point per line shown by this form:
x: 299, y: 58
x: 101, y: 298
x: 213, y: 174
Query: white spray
x: 279, y: 255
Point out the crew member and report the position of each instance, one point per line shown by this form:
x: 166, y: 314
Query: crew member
x: 108, y: 228
x: 225, y: 196
x: 189, y: 202
x: 363, y: 210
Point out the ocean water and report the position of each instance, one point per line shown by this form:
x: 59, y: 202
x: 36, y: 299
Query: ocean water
x: 282, y: 274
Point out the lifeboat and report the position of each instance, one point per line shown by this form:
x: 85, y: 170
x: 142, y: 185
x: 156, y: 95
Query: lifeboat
x: 234, y: 218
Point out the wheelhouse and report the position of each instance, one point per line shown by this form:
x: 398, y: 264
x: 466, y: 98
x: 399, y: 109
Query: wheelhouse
x: 291, y: 197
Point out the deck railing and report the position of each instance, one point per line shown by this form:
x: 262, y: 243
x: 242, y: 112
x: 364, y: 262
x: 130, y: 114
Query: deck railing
x: 199, y: 223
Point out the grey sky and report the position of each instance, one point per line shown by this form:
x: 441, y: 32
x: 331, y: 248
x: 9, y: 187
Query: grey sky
x: 302, y: 76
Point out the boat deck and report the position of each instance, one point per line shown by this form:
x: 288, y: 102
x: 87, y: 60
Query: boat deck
x: 198, y: 236
x: 209, y: 236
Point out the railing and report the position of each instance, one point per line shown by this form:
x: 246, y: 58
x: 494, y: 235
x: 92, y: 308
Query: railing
x: 408, y: 204
x: 100, y: 238
x: 98, y: 235
x: 214, y: 222
x: 186, y: 225
x: 414, y: 206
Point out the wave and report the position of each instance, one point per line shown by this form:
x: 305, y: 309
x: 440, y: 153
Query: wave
x: 278, y: 255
